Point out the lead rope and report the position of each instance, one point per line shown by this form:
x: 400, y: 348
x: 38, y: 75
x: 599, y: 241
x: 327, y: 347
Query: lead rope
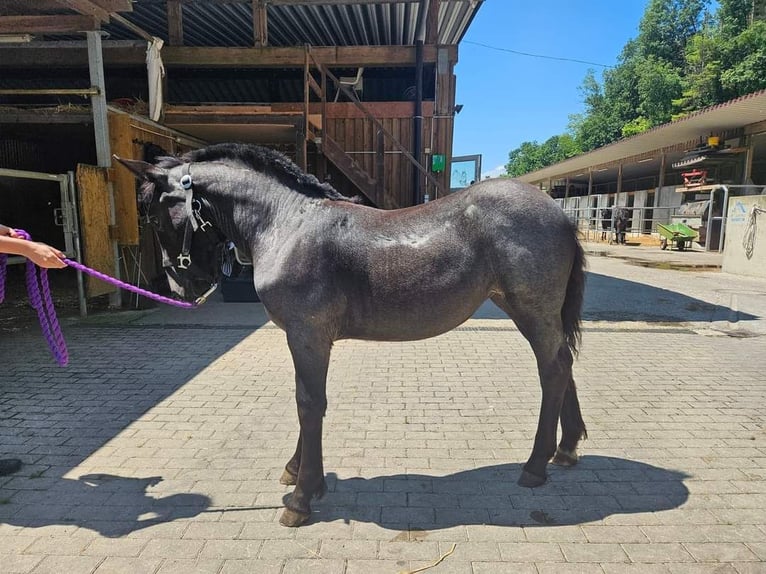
x: 40, y: 298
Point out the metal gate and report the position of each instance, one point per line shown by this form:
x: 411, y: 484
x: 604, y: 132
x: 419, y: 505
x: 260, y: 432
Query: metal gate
x: 64, y: 217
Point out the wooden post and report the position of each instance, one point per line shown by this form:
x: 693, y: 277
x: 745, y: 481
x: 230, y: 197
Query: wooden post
x: 619, y: 181
x: 660, y: 181
x: 260, y: 24
x: 380, y: 166
x: 432, y: 22
x: 175, y: 23
x: 748, y: 167
x: 101, y: 132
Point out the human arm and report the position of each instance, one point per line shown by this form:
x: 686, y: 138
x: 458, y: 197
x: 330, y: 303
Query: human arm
x: 39, y: 253
x: 6, y: 231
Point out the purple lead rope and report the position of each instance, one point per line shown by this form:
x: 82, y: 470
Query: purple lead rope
x: 40, y: 298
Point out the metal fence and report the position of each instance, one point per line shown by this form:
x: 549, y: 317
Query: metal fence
x: 644, y: 219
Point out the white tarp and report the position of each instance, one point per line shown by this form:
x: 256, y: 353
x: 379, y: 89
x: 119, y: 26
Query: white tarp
x: 155, y: 72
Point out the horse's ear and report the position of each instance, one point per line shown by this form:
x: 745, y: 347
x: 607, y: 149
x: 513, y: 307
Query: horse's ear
x: 141, y: 169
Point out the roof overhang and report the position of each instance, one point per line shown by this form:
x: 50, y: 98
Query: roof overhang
x: 673, y: 137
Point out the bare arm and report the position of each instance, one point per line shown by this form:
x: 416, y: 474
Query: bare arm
x: 39, y: 253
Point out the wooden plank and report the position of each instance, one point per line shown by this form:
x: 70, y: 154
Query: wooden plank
x: 432, y: 22
x: 115, y: 5
x: 67, y: 55
x: 98, y: 254
x: 175, y: 23
x: 260, y: 24
x: 123, y: 182
x: 86, y: 8
x: 58, y: 24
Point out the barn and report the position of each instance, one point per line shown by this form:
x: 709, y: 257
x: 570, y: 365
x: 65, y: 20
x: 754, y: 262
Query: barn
x: 360, y: 93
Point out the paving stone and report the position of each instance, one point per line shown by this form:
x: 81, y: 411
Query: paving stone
x: 140, y: 460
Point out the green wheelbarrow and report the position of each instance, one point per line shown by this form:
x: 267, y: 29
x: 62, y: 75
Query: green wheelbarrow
x: 677, y: 233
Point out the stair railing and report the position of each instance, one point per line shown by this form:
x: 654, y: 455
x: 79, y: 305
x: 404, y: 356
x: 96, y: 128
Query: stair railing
x: 310, y: 84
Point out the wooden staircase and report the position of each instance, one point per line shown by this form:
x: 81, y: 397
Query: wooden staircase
x: 373, y: 188
x: 351, y: 169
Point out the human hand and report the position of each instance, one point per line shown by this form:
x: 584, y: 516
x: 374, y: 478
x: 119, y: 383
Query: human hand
x: 45, y: 256
x: 8, y: 231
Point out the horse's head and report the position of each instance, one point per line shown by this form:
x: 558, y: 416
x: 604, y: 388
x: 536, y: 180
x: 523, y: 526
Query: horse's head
x: 190, y: 245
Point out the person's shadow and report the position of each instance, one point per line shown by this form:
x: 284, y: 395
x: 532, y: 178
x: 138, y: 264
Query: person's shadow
x: 598, y: 487
x: 112, y: 505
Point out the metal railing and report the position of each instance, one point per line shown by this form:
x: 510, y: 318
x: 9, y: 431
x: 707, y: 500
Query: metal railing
x: 643, y: 220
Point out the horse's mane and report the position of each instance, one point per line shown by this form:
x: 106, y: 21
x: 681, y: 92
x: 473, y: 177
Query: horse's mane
x: 262, y: 159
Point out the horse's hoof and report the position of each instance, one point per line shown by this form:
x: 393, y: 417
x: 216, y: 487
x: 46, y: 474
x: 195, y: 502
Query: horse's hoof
x: 288, y: 478
x: 293, y: 518
x: 529, y: 480
x: 565, y: 457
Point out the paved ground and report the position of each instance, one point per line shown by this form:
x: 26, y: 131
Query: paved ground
x: 158, y: 449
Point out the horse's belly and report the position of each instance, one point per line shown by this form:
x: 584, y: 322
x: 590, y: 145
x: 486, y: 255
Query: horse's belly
x: 405, y: 321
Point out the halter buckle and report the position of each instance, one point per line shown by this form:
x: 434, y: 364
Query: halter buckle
x: 196, y: 209
x: 184, y: 260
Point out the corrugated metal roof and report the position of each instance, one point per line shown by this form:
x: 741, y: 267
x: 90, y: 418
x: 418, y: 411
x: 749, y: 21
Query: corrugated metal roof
x: 231, y: 23
x: 731, y: 115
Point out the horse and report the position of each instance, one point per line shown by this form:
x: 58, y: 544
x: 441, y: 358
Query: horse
x: 621, y: 219
x: 606, y: 222
x: 326, y: 268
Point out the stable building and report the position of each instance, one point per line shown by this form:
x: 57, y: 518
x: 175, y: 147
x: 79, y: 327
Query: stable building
x: 360, y: 93
x: 685, y: 171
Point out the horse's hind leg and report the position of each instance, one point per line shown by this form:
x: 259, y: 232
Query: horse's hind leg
x: 543, y: 329
x: 311, y: 357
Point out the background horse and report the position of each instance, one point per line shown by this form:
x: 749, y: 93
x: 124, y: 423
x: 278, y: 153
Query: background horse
x: 327, y: 268
x: 606, y: 222
x: 621, y: 221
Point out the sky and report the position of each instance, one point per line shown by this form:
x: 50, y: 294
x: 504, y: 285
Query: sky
x: 508, y: 98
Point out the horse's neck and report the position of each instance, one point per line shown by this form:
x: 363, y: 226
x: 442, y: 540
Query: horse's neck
x: 262, y: 205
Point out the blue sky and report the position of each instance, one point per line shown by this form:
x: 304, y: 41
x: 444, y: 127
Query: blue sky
x: 508, y: 98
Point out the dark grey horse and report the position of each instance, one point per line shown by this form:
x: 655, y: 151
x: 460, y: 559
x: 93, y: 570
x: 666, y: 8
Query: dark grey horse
x: 327, y: 268
x: 621, y: 222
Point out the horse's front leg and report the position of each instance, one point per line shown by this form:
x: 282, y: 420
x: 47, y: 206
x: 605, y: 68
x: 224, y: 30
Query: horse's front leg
x: 290, y: 474
x: 311, y: 357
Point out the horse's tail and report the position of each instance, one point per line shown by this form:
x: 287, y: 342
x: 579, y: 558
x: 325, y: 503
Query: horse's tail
x: 571, y: 312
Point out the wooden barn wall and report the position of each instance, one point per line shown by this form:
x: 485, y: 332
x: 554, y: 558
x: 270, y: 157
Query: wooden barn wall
x: 128, y: 136
x: 357, y: 135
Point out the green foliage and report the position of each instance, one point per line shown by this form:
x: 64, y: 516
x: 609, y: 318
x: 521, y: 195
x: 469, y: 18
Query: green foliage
x: 683, y: 59
x: 530, y: 156
x: 746, y: 59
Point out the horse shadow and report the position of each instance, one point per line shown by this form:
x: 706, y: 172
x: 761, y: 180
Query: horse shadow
x: 597, y: 488
x: 613, y: 299
x: 111, y: 505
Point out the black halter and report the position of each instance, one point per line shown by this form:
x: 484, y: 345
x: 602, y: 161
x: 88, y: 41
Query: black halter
x: 194, y: 222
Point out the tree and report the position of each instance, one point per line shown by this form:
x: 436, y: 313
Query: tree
x: 701, y: 84
x: 667, y: 26
x: 745, y: 62
x: 524, y: 159
x: 531, y: 156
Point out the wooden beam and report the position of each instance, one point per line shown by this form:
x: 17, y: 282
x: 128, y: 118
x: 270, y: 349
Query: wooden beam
x: 260, y: 24
x: 45, y: 54
x: 137, y: 30
x: 115, y: 5
x: 337, y: 2
x: 175, y: 23
x: 307, y: 2
x: 86, y: 8
x: 47, y: 25
x: 432, y: 22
